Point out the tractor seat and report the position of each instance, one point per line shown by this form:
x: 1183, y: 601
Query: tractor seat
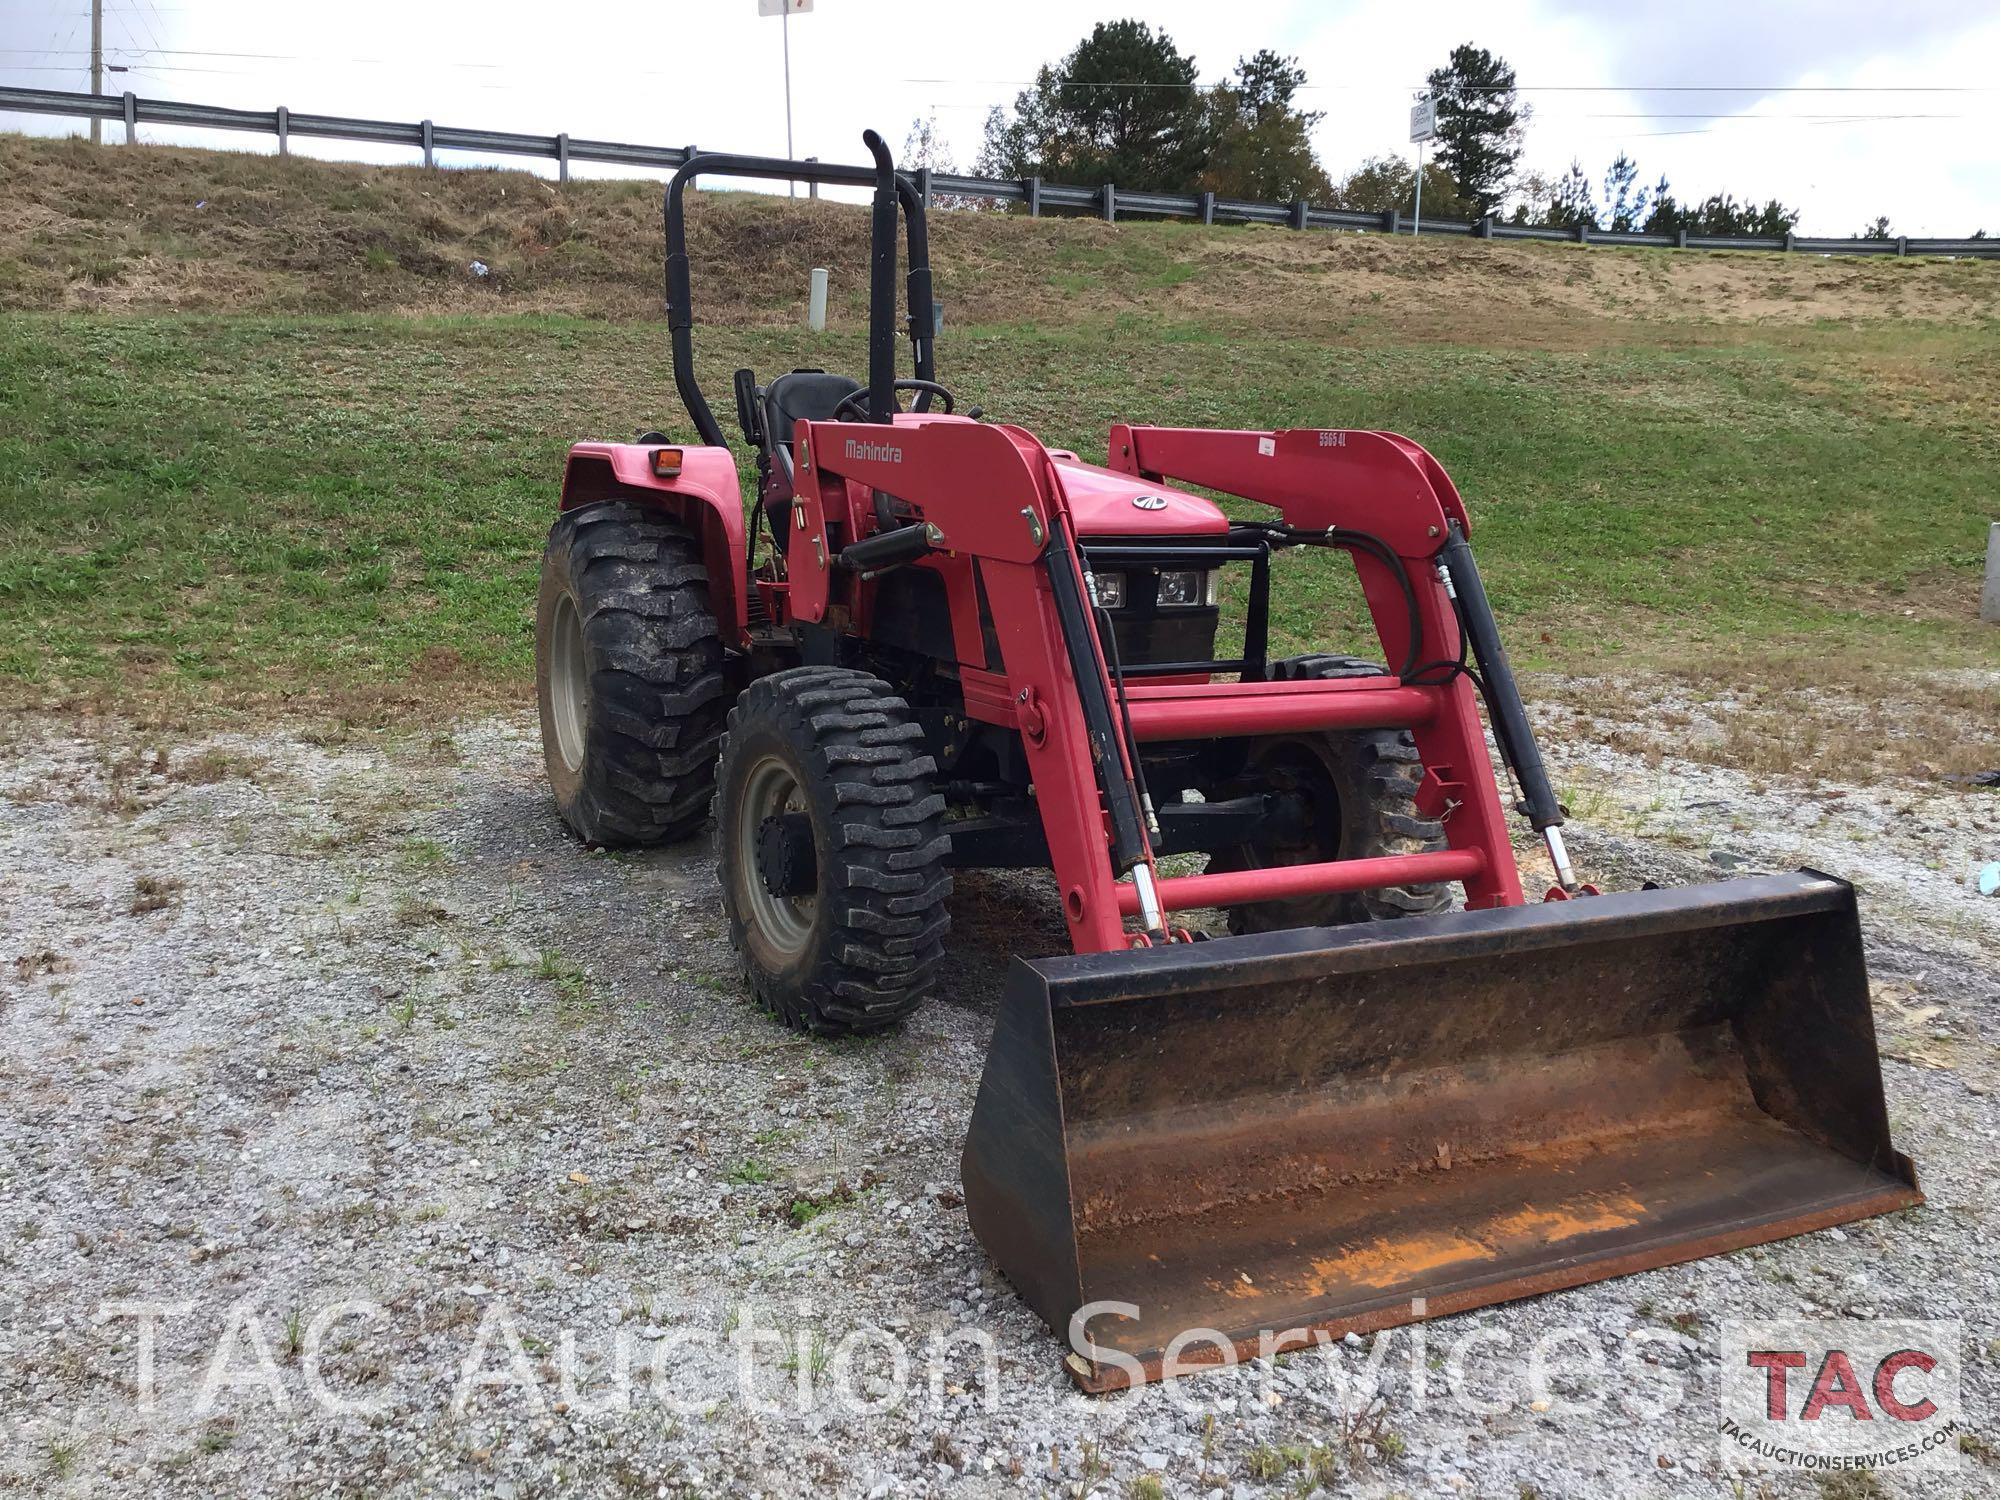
x: 802, y: 396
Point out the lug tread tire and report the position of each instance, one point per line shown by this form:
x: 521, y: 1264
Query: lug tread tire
x: 658, y: 689
x: 880, y: 842
x: 1383, y: 765
x: 1325, y: 667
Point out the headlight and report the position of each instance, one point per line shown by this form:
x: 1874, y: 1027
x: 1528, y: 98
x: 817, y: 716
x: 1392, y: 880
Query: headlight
x: 1111, y: 589
x: 1189, y: 588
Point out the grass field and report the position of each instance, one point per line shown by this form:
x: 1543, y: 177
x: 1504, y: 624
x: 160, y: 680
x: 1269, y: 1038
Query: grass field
x: 263, y: 501
x: 199, y: 509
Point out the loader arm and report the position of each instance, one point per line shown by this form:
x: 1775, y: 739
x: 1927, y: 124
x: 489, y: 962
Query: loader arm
x: 1425, y: 601
x: 990, y: 492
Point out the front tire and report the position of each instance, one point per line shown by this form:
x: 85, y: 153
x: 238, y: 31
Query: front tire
x: 1360, y: 794
x: 629, y: 675
x: 831, y: 848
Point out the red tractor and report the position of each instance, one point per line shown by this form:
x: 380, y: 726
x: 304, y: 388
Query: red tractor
x: 928, y: 642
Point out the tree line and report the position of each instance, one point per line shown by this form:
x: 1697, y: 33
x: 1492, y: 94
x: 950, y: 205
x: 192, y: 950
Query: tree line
x: 1126, y: 106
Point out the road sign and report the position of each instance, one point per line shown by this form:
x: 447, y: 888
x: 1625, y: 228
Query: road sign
x: 1424, y: 119
x: 783, y: 7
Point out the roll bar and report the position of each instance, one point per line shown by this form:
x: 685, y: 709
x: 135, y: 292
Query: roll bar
x: 890, y: 187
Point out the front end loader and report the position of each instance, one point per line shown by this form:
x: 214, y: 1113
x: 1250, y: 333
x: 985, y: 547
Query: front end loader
x: 1394, y: 1087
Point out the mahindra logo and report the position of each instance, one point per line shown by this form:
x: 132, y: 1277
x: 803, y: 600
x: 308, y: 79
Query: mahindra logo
x: 1150, y: 502
x: 880, y: 453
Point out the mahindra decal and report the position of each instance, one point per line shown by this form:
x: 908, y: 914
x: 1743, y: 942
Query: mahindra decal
x: 878, y: 453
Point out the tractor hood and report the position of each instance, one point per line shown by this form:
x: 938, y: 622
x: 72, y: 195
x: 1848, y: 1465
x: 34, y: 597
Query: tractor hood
x: 1105, y: 502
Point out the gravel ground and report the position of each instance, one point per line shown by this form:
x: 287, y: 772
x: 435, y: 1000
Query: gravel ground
x: 293, y: 1022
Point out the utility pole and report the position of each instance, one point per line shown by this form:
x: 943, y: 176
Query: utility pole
x: 96, y: 66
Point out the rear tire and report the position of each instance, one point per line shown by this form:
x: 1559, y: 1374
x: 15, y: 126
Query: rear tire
x: 1361, y: 791
x: 628, y: 675
x: 831, y: 848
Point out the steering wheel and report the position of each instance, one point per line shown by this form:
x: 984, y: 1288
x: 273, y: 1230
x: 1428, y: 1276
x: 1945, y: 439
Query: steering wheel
x: 859, y: 399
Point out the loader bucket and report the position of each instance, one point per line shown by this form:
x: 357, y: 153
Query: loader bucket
x: 1341, y: 1129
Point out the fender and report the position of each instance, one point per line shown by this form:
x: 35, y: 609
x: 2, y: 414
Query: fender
x: 703, y: 497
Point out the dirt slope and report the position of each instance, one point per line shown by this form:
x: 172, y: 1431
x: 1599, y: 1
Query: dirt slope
x: 167, y: 228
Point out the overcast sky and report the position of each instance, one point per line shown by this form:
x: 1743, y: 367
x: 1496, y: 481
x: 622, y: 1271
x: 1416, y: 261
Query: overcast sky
x: 1844, y: 108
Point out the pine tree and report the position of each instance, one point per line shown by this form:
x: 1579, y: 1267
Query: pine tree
x: 1122, y: 107
x: 1263, y: 145
x: 1479, y: 124
x: 1625, y: 206
x: 1571, y: 203
x: 1568, y: 202
x: 1665, y: 216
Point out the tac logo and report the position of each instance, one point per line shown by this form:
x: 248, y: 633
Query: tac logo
x: 1838, y: 1386
x: 1840, y: 1393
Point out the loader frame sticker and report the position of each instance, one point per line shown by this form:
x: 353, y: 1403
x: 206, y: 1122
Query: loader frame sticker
x: 1835, y: 1394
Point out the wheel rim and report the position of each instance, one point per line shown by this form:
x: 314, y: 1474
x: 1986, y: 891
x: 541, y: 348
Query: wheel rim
x: 779, y: 926
x: 569, y: 682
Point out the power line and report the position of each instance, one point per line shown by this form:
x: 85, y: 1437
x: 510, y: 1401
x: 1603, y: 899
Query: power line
x: 1524, y: 88
x: 1728, y: 88
x: 1712, y: 115
x: 137, y: 51
x: 132, y: 33
x: 160, y: 68
x: 1811, y: 124
x: 1520, y: 88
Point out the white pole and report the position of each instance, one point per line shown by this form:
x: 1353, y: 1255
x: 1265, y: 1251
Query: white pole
x: 1417, y: 197
x: 1990, y: 586
x: 785, y: 29
x: 816, y: 300
x: 96, y: 66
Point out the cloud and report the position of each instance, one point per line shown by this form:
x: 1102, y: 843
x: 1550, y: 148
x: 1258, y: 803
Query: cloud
x: 1761, y: 42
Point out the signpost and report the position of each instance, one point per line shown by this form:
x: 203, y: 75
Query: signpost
x: 1423, y: 126
x: 783, y: 9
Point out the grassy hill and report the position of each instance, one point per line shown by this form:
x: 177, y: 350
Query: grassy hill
x: 265, y: 436
x: 167, y: 229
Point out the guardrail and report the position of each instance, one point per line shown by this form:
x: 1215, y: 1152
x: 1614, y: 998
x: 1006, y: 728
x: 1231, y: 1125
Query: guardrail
x: 1107, y: 201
